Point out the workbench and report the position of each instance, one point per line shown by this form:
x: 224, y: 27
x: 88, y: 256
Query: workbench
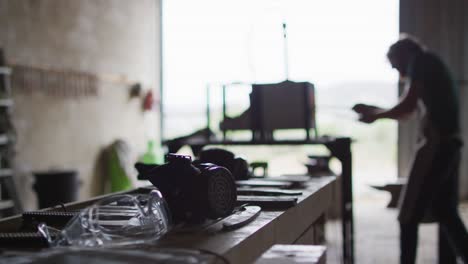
x: 301, y: 224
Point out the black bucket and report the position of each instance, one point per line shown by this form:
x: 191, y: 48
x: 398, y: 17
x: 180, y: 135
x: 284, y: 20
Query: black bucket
x: 56, y: 187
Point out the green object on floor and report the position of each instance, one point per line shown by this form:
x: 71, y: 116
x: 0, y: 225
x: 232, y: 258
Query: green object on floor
x: 117, y: 162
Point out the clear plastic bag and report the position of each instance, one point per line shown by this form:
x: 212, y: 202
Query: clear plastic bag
x: 115, y: 221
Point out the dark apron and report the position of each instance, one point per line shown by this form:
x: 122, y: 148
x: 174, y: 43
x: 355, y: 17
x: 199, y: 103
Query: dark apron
x: 433, y: 177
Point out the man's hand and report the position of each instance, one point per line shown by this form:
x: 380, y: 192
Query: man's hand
x: 368, y: 119
x: 365, y: 109
x: 367, y: 113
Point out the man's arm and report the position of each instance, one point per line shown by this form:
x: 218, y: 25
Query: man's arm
x: 407, y: 105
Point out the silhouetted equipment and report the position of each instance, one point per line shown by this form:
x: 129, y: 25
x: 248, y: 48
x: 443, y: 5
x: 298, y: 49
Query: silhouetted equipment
x: 317, y: 165
x: 263, y: 165
x: 285, y: 105
x: 239, y: 167
x: 193, y: 192
x: 175, y: 144
x: 394, y: 188
x: 9, y: 200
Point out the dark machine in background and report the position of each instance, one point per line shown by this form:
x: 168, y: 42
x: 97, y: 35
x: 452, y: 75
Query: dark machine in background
x: 239, y: 167
x: 284, y: 105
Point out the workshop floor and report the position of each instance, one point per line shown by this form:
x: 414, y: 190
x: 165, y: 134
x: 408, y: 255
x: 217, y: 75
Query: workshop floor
x: 377, y: 233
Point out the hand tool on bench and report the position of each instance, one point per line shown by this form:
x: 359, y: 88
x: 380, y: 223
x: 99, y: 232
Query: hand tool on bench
x: 267, y: 192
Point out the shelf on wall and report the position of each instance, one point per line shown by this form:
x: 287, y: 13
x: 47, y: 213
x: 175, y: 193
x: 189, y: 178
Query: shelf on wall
x: 6, y: 204
x: 6, y: 173
x: 6, y: 102
x: 5, y: 70
x: 3, y: 139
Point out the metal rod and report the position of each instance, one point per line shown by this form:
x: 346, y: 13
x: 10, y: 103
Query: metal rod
x: 286, y: 57
x: 208, y: 112
x: 224, y: 109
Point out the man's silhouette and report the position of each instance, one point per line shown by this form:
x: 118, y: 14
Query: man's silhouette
x: 431, y: 191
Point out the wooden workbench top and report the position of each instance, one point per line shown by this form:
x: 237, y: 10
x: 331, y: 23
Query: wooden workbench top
x: 246, y: 244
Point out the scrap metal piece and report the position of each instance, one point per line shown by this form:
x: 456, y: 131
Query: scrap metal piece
x: 242, y: 217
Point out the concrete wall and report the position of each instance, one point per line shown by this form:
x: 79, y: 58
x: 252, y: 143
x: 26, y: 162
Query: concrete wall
x: 103, y: 37
x: 443, y: 27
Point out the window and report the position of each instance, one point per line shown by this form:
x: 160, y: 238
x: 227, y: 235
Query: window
x: 338, y: 45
